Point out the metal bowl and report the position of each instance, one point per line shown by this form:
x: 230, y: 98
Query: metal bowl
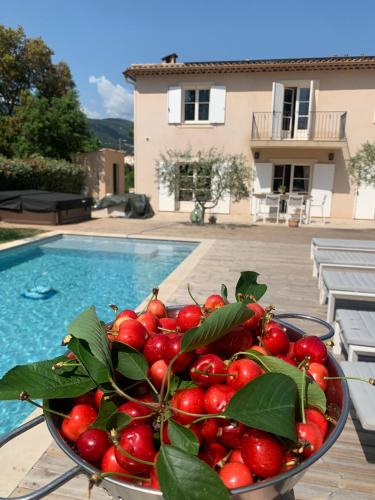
x: 280, y: 486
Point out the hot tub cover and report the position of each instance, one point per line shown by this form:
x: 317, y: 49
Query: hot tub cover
x: 137, y: 206
x: 42, y: 201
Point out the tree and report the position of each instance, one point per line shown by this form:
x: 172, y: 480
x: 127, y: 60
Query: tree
x: 204, y: 176
x: 55, y: 128
x: 361, y: 167
x: 26, y: 65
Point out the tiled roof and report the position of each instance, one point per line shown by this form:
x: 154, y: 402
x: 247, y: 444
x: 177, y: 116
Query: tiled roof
x: 249, y: 66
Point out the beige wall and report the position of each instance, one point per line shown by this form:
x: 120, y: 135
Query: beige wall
x: 350, y: 91
x: 99, y: 169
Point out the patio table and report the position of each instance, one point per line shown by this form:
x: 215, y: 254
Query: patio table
x: 283, y: 201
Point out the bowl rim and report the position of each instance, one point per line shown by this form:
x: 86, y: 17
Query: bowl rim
x: 279, y: 478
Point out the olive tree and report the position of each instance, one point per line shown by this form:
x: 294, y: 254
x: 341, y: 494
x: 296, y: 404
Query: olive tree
x: 361, y: 167
x: 206, y: 175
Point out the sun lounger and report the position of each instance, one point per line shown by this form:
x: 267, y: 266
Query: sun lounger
x: 338, y: 244
x: 348, y: 285
x: 355, y: 331
x: 362, y: 394
x: 344, y: 260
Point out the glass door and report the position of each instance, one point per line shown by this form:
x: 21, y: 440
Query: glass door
x: 288, y: 113
x: 302, y: 114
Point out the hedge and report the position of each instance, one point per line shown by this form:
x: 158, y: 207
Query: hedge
x: 41, y: 173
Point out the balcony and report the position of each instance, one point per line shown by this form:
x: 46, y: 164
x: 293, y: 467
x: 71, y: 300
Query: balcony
x: 320, y: 128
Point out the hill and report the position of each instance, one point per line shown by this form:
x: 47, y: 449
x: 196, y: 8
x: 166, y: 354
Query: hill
x: 110, y: 130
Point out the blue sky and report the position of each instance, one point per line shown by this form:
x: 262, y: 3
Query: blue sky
x: 99, y: 38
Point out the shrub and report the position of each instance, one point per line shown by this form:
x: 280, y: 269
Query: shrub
x: 41, y: 173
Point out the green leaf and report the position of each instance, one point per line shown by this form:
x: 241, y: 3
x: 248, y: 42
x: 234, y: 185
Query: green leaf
x: 41, y: 382
x: 129, y: 362
x: 184, y: 477
x: 183, y: 438
x: 266, y: 403
x: 118, y: 421
x: 176, y: 383
x: 107, y: 408
x: 218, y: 323
x: 96, y: 370
x: 247, y: 288
x: 224, y: 291
x: 314, y: 395
x: 88, y: 327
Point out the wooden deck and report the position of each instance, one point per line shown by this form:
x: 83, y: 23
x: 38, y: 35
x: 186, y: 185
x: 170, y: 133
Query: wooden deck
x: 347, y: 471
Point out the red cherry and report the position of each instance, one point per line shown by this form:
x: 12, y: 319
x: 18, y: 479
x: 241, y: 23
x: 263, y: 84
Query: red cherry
x: 150, y: 322
x: 210, y: 364
x: 98, y: 397
x: 135, y: 410
x: 231, y: 434
x: 127, y: 313
x: 214, y: 302
x: 254, y: 321
x: 189, y: 317
x: 237, y: 340
x: 92, y: 444
x: 318, y: 371
x: 311, y: 347
x: 236, y: 456
x: 243, y: 371
x: 85, y: 399
x: 290, y: 353
x: 217, y: 398
x: 167, y: 324
x: 157, y: 308
x: 285, y: 358
x: 235, y: 475
x: 315, y: 416
x: 189, y: 400
x: 154, y: 481
x: 80, y: 418
x: 110, y: 464
x: 260, y: 349
x: 154, y: 347
x: 209, y: 430
x: 157, y: 372
x: 171, y: 349
x: 138, y: 442
x: 213, y: 454
x: 262, y: 453
x: 276, y: 341
x: 310, y: 437
x: 132, y: 333
x: 290, y: 460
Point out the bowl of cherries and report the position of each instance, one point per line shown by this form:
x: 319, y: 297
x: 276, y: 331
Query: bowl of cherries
x: 214, y: 400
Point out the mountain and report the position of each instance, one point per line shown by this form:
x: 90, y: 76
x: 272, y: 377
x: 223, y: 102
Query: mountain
x: 110, y: 130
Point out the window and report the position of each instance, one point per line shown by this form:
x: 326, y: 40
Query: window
x: 293, y: 178
x: 193, y: 184
x: 196, y: 105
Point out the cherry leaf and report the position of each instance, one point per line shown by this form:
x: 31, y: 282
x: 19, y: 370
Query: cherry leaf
x: 107, y: 408
x: 218, y: 323
x: 118, y: 421
x: 266, y: 403
x: 129, y: 362
x: 247, y: 288
x: 95, y: 369
x: 224, y: 291
x: 185, y: 477
x: 183, y: 438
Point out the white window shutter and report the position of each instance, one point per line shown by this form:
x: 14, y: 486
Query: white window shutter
x: 311, y: 105
x: 166, y: 200
x: 174, y: 104
x: 217, y: 104
x: 322, y: 187
x: 262, y: 182
x: 277, y: 109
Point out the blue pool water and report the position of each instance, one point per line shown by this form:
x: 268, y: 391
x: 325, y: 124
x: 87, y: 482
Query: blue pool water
x: 83, y: 271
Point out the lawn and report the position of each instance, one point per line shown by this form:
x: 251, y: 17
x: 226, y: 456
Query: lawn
x: 9, y: 234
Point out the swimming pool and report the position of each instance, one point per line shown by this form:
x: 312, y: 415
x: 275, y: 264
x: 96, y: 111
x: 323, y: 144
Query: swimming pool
x: 83, y: 271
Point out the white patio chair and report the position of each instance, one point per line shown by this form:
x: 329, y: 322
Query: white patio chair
x: 314, y: 203
x: 269, y: 208
x: 295, y: 206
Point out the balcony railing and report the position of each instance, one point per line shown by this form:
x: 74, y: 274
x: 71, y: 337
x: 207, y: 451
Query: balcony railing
x: 319, y: 126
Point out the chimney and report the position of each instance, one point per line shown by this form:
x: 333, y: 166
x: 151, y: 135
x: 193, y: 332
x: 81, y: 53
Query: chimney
x: 170, y: 59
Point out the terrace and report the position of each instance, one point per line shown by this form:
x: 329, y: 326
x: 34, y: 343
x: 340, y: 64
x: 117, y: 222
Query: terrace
x: 281, y: 256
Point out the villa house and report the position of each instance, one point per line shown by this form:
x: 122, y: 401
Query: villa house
x: 296, y: 120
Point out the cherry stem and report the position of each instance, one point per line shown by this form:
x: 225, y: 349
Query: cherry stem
x: 54, y: 412
x: 63, y: 364
x: 205, y: 372
x: 206, y: 417
x: 370, y: 381
x: 166, y: 380
x: 191, y: 296
x: 303, y: 390
x: 152, y: 406
x: 124, y: 452
x: 198, y: 415
x: 256, y: 358
x: 103, y: 475
x: 152, y: 386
